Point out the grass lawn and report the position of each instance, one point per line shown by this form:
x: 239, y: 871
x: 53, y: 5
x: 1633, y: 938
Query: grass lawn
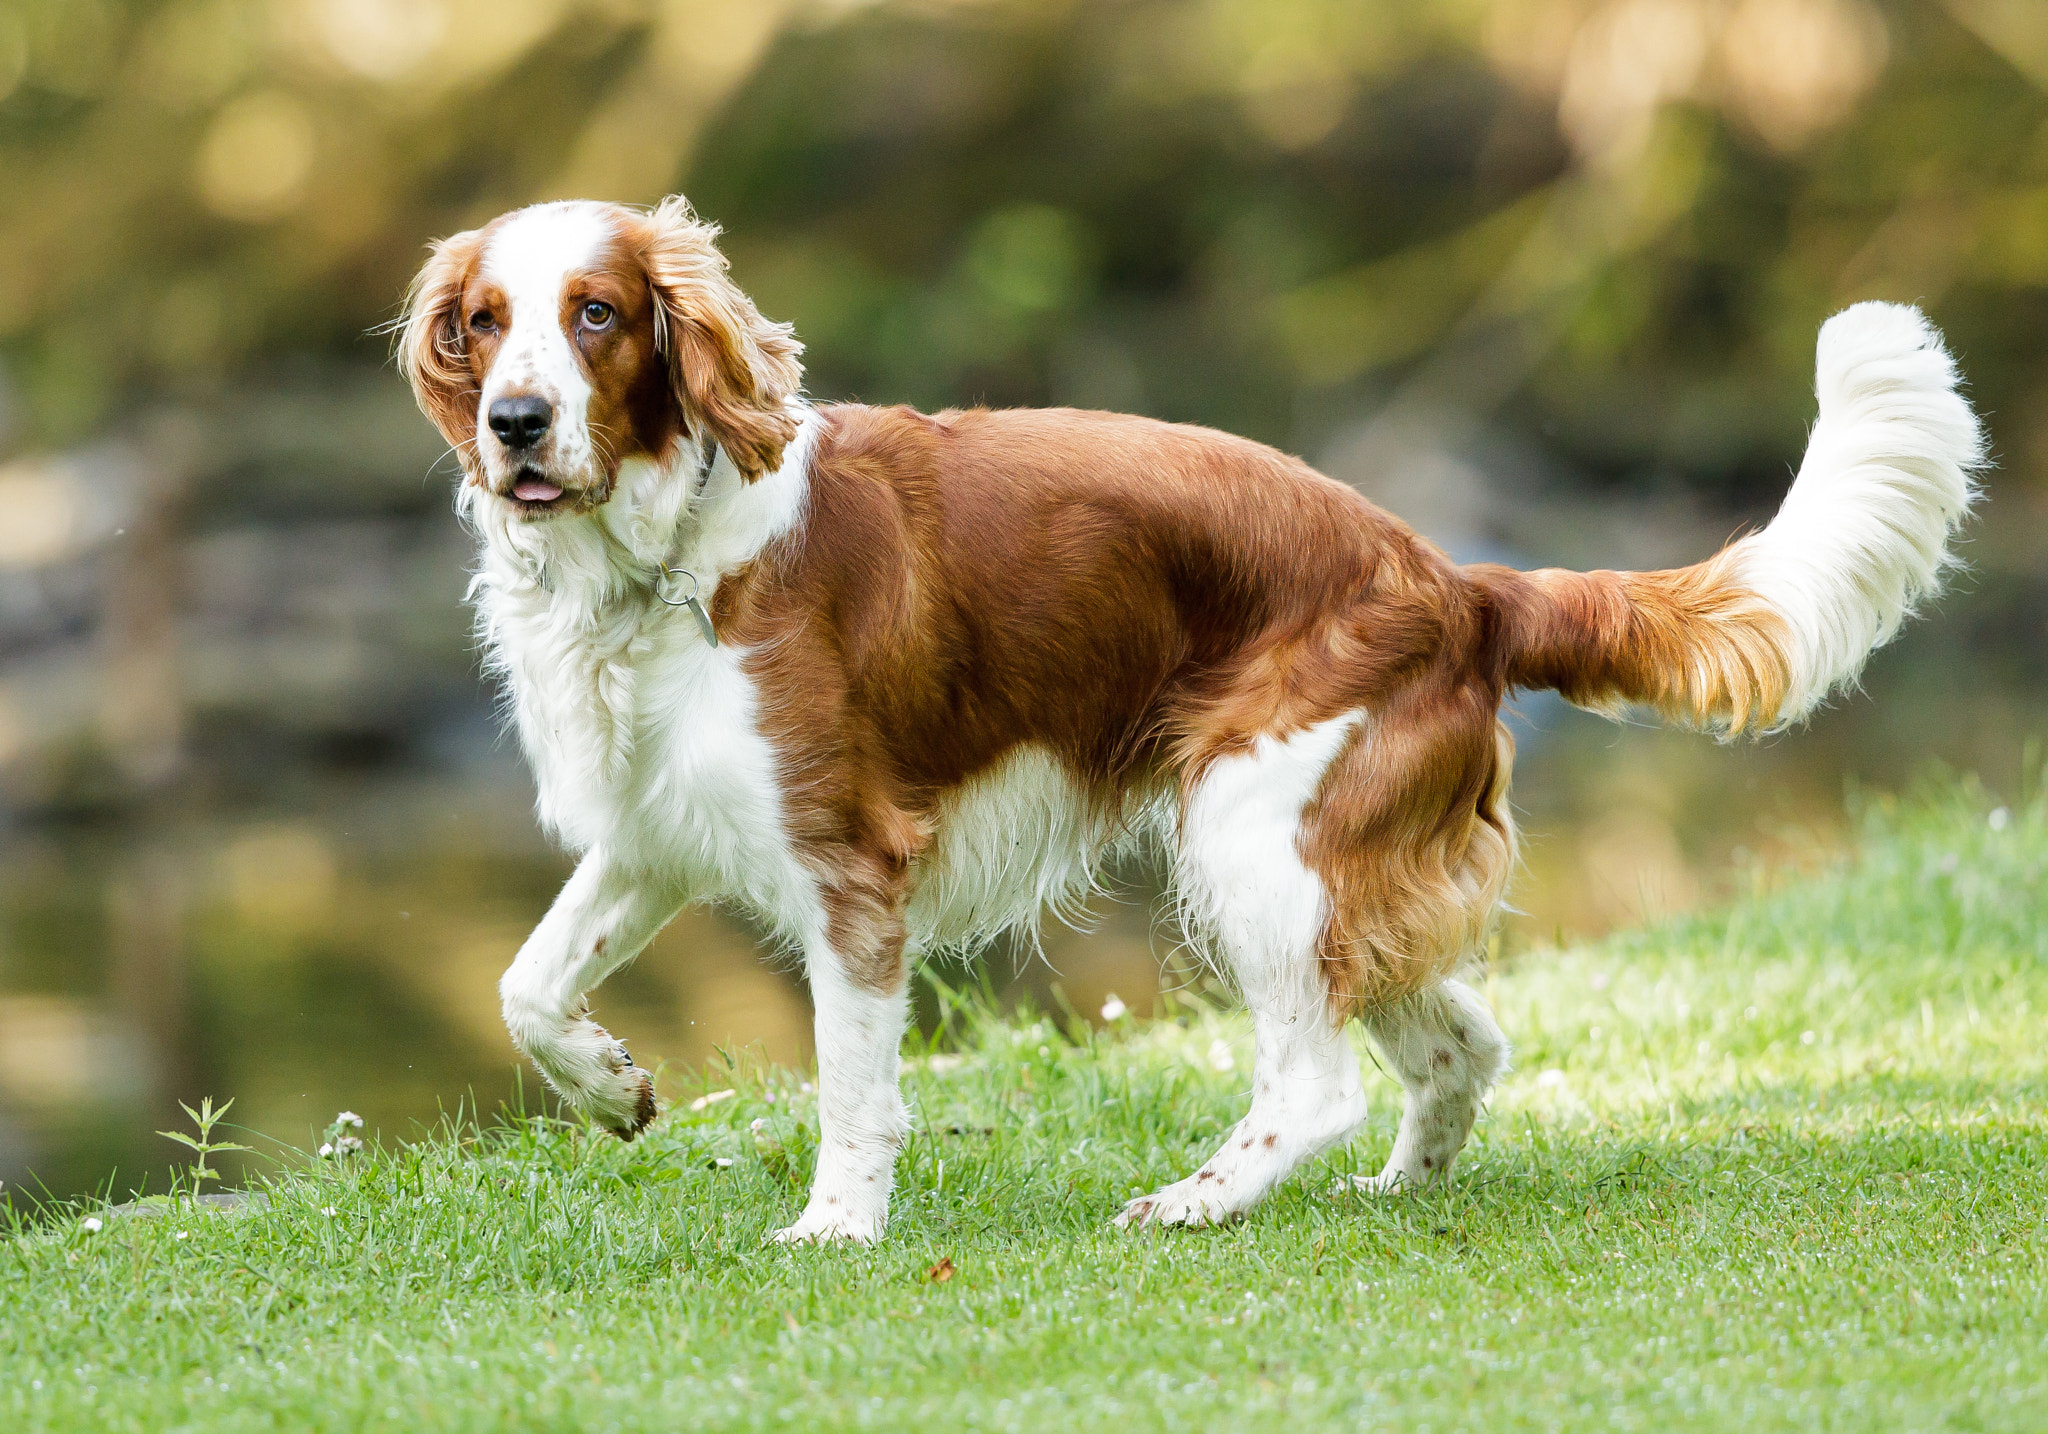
x: 1781, y: 1167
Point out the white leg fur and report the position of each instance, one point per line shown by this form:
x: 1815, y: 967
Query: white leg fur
x: 604, y: 917
x: 861, y: 1116
x: 1243, y: 884
x: 1448, y: 1051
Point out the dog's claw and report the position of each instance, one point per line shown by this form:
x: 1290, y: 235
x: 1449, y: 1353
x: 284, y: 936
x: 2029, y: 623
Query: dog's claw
x: 644, y: 1108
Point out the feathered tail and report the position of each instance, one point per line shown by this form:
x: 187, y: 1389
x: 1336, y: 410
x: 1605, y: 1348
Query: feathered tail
x: 1761, y: 633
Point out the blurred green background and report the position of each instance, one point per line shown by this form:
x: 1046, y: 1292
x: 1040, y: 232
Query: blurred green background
x: 1542, y: 276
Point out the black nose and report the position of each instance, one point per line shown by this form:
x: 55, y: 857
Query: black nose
x: 520, y: 422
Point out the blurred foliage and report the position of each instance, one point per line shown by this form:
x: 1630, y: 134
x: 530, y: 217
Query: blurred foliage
x: 1611, y: 223
x: 1574, y: 241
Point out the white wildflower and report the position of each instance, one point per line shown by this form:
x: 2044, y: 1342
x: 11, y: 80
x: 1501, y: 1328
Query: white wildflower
x: 1550, y: 1079
x: 91, y: 1225
x: 326, y: 1150
x: 1114, y: 1009
x: 1220, y: 1057
x: 349, y: 1117
x: 182, y: 1234
x: 327, y: 1209
x: 1999, y: 817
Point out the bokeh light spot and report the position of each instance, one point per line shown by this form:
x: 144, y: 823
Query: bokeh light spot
x: 255, y: 159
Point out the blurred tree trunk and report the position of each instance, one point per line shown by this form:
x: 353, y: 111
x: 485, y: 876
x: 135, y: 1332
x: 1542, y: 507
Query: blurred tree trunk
x: 141, y: 702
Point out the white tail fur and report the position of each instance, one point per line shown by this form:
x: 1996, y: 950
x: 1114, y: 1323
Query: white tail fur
x: 1863, y: 536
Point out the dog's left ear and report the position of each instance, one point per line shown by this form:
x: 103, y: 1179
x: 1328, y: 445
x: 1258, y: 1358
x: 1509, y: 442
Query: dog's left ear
x: 733, y: 372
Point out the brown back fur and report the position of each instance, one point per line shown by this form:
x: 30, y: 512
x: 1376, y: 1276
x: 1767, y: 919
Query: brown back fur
x: 1140, y: 598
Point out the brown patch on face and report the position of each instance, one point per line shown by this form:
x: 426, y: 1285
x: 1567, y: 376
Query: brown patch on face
x: 483, y: 312
x: 608, y: 312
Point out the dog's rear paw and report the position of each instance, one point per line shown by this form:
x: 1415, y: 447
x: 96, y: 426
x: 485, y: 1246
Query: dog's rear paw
x: 1391, y: 1182
x: 831, y: 1224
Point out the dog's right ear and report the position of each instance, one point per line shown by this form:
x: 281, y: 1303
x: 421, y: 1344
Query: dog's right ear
x: 432, y: 350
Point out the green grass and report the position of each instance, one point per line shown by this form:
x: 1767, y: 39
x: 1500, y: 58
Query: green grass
x: 1782, y: 1167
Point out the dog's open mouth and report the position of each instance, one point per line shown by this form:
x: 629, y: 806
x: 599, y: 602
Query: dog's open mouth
x: 536, y: 494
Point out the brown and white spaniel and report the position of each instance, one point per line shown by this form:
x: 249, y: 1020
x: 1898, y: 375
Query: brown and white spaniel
x: 895, y: 682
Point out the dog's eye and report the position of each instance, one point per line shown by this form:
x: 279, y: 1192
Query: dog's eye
x: 597, y: 314
x: 482, y: 321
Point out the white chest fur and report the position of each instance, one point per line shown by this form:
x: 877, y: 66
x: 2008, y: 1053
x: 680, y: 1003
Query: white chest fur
x: 644, y: 739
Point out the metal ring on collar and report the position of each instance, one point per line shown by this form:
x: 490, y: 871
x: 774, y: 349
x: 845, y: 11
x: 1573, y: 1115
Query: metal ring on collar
x: 661, y: 586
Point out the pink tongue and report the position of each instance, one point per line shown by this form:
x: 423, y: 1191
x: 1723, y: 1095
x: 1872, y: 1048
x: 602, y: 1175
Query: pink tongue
x: 535, y: 490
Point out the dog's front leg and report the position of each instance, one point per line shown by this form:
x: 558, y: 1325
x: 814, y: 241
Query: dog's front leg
x: 861, y: 1010
x: 603, y: 918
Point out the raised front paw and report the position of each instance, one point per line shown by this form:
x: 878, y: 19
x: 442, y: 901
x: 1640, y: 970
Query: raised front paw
x: 633, y: 1110
x: 614, y: 1092
x: 1198, y: 1200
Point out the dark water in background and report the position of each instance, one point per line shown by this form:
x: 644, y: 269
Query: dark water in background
x: 326, y: 933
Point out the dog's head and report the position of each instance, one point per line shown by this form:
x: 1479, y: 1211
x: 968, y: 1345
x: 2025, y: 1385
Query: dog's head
x: 557, y: 342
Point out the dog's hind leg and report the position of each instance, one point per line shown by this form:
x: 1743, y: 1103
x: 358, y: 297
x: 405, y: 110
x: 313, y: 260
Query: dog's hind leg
x: 1448, y: 1050
x: 1244, y: 886
x: 603, y: 918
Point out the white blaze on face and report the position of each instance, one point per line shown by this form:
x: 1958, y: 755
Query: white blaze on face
x: 529, y: 258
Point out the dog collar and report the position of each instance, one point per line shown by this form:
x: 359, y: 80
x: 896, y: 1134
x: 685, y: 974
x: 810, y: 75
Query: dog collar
x: 671, y: 575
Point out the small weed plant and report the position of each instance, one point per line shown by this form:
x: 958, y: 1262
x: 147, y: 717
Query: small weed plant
x: 202, y: 1145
